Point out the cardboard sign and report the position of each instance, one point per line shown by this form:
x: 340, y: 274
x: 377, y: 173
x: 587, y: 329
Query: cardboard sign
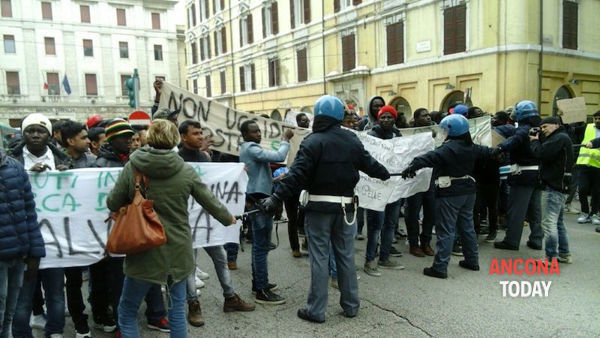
x: 572, y: 110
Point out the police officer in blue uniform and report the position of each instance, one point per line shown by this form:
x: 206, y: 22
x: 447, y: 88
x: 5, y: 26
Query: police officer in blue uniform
x: 326, y: 168
x: 453, y: 163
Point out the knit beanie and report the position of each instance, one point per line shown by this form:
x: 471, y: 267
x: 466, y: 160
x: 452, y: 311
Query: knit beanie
x: 387, y: 109
x: 550, y: 120
x: 39, y: 119
x: 118, y: 127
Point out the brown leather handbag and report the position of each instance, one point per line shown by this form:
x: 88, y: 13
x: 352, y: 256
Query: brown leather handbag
x: 136, y: 227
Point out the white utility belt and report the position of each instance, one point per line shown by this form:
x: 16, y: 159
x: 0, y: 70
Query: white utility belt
x: 329, y: 198
x: 446, y: 181
x: 515, y: 169
x: 306, y: 197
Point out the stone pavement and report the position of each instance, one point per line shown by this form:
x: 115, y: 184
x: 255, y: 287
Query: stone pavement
x: 404, y: 303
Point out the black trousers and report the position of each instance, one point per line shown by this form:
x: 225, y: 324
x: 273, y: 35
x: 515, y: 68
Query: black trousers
x: 75, y: 298
x: 411, y: 217
x: 295, y: 221
x: 589, y: 184
x: 487, y: 196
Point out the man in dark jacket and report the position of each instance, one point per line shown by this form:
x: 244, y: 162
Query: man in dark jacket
x: 38, y: 154
x: 524, y: 199
x: 556, y: 155
x: 108, y: 273
x: 327, y: 166
x: 21, y: 236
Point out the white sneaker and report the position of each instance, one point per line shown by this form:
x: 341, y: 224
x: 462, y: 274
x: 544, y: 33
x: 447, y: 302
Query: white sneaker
x: 595, y: 219
x: 583, y: 218
x: 199, y: 283
x: 37, y: 322
x: 56, y: 335
x: 201, y: 274
x: 83, y: 335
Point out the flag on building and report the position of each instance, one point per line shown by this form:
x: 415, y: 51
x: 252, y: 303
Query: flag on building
x: 66, y: 85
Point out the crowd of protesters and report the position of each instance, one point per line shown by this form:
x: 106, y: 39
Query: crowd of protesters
x: 529, y: 178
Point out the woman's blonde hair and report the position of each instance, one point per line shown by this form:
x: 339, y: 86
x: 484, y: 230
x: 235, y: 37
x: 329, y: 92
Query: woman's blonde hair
x: 163, y: 134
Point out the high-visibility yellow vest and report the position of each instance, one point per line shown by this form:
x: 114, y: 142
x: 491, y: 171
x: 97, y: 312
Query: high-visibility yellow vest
x: 589, y: 157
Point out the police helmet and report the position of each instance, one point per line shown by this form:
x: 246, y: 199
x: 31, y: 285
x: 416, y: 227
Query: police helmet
x: 455, y: 125
x: 525, y: 109
x: 331, y: 106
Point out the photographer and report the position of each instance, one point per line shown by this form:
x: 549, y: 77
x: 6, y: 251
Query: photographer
x: 555, y: 152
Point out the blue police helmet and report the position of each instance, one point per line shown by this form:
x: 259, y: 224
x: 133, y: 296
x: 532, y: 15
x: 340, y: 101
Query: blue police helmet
x: 331, y: 106
x: 455, y: 125
x: 461, y: 109
x: 525, y: 109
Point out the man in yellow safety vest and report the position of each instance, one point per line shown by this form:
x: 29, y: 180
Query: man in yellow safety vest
x: 589, y: 178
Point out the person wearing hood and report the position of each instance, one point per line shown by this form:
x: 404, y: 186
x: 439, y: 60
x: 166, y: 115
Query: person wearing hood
x: 555, y: 152
x: 453, y: 164
x: 171, y: 182
x: 524, y: 196
x: 375, y: 103
x: 22, y: 244
x: 108, y: 273
x: 382, y: 224
x: 326, y: 167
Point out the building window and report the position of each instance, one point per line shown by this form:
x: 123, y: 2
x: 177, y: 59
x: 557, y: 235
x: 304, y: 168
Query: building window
x: 9, y: 44
x: 158, y: 55
x: 155, y: 21
x: 223, y: 75
x: 123, y: 50
x: 246, y: 34
x: 273, y: 72
x: 124, y: 90
x: 395, y: 42
x: 84, y: 11
x: 121, y: 20
x: 247, y: 78
x: 348, y: 53
x: 6, y: 10
x: 192, y: 16
x: 205, y: 52
x: 208, y: 86
x: 570, y: 25
x: 91, y: 87
x: 46, y: 10
x: 53, y: 85
x: 195, y: 83
x: 302, y: 65
x: 218, y: 5
x: 203, y: 4
x: 270, y: 20
x: 343, y: 4
x: 88, y: 47
x: 13, y: 87
x: 194, y: 53
x: 455, y: 25
x: 49, y: 45
x: 300, y: 12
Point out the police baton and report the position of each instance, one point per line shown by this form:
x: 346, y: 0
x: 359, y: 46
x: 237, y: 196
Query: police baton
x: 244, y: 215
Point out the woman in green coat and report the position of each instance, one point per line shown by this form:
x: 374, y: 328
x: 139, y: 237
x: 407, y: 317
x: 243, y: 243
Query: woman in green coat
x: 170, y: 183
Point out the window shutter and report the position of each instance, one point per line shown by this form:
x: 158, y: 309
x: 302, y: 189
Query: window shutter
x: 249, y: 28
x: 206, y: 12
x: 292, y: 14
x: 85, y: 13
x: 253, y: 77
x: 155, y: 21
x: 12, y: 83
x: 241, y: 35
x: 214, y: 7
x: 195, y: 83
x: 121, y: 21
x: 222, y: 4
x: 356, y: 2
x: 6, y: 9
x: 90, y: 84
x: 207, y: 37
x: 460, y: 15
x: 306, y: 11
x: 264, y: 28
x: 223, y: 83
x: 395, y: 43
x: 336, y: 6
x: 46, y: 10
x: 301, y: 63
x: 208, y: 87
x: 242, y: 80
x: 449, y: 32
x: 274, y: 19
x: 348, y: 53
x: 271, y: 70
x: 570, y: 25
x: 49, y: 44
x: 277, y: 77
x: 202, y: 51
x: 216, y: 39
x: 53, y: 86
x: 224, y: 39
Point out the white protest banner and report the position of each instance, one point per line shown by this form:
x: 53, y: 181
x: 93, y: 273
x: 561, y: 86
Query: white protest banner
x: 395, y: 154
x: 71, y: 209
x: 480, y: 129
x: 572, y: 110
x: 222, y: 123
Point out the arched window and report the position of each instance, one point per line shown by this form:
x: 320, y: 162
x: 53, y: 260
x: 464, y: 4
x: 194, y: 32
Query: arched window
x: 401, y: 105
x: 562, y: 93
x: 276, y: 115
x: 451, y: 100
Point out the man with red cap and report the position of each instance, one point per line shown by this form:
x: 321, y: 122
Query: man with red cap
x: 94, y: 121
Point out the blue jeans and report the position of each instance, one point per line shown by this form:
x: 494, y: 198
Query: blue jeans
x: 454, y: 216
x: 11, y: 279
x: 134, y: 290
x: 219, y: 258
x: 262, y: 225
x: 553, y: 203
x: 381, y: 223
x: 232, y: 251
x: 53, y: 282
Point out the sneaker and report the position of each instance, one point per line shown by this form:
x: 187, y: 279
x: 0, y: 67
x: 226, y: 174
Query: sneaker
x: 505, y: 246
x: 38, y: 321
x: 303, y: 314
x: 596, y: 219
x: 534, y: 246
x: 390, y: 264
x: 334, y: 283
x: 583, y: 218
x: 395, y: 253
x: 267, y: 297
x: 400, y: 233
x: 360, y: 237
x: 107, y: 325
x: 565, y: 258
x: 270, y: 286
x: 232, y: 265
x: 296, y: 254
x: 161, y: 325
x: 199, y: 283
x: 272, y: 246
x: 83, y: 330
x: 304, y: 245
x: 457, y: 250
x: 416, y: 251
x: 201, y: 274
x: 87, y: 334
x: 569, y: 209
x: 491, y: 237
x: 194, y: 316
x: 235, y: 303
x: 431, y: 272
x: 56, y: 335
x: 371, y: 269
x: 427, y: 250
x: 464, y: 264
